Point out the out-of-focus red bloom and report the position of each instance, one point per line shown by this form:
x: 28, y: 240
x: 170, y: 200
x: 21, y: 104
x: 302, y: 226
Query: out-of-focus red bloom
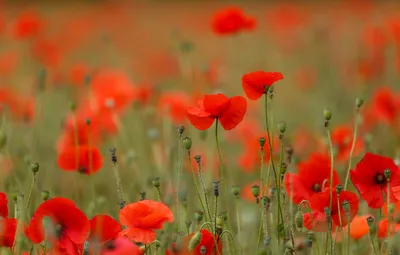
x: 285, y: 18
x: 305, y: 78
x: 305, y: 141
x: 8, y: 62
x: 369, y: 179
x: 174, y: 104
x: 232, y: 20
x: 312, y: 175
x: 142, y: 218
x: 84, y: 159
x: 104, y: 228
x: 342, y: 139
x: 144, y: 92
x: 27, y: 25
x: 3, y: 206
x: 385, y: 105
x: 21, y: 107
x: 255, y: 83
x: 321, y: 200
x: 228, y: 111
x: 47, y: 52
x: 359, y: 227
x: 207, y: 241
x: 383, y: 228
x: 67, y: 229
x: 78, y: 73
x: 8, y: 229
x: 121, y: 246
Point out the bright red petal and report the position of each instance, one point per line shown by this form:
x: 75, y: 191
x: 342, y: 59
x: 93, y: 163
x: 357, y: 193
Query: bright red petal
x: 234, y: 114
x: 3, y: 205
x: 216, y: 105
x: 139, y: 235
x: 104, y: 228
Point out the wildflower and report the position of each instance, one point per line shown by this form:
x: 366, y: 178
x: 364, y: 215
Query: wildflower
x: 120, y: 246
x: 255, y: 83
x: 84, y: 159
x: 104, y: 228
x: 342, y: 139
x: 3, y: 206
x: 359, y: 227
x: 232, y: 20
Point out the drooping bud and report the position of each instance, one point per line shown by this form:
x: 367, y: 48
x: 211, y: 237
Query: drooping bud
x: 359, y: 102
x: 34, y: 168
x: 195, y: 241
x: 187, y: 143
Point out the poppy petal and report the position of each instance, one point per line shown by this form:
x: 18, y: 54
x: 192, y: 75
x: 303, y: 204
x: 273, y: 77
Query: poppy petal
x: 234, y: 114
x: 139, y: 235
x: 216, y: 104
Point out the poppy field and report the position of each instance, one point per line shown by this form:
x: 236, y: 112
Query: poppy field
x: 199, y: 127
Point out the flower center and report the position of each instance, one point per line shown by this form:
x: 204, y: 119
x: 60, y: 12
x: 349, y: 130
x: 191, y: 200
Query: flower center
x: 83, y: 169
x: 58, y: 230
x: 316, y: 187
x: 380, y: 179
x: 110, y: 245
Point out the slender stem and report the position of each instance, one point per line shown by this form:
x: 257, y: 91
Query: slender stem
x: 178, y: 184
x: 121, y: 200
x: 30, y: 194
x: 262, y: 215
x: 353, y: 145
x: 389, y: 214
x: 371, y: 237
x: 159, y: 196
x: 311, y: 218
x: 209, y: 224
x: 238, y: 218
x: 259, y: 235
x: 232, y: 239
x: 215, y: 213
x: 200, y: 173
x: 197, y: 187
x: 340, y: 221
x: 331, y: 167
x: 348, y: 234
x: 221, y: 164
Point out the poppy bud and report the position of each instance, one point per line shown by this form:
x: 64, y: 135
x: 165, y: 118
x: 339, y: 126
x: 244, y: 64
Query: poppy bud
x: 181, y: 129
x: 220, y: 222
x: 45, y: 194
x: 188, y: 223
x: 88, y: 121
x: 346, y: 206
x: 339, y: 189
x: 235, y: 191
x: 142, y: 195
x: 216, y: 188
x: 299, y: 220
x: 156, y: 182
x: 198, y: 216
x: 203, y: 250
x: 72, y: 106
x: 387, y: 173
x: 283, y: 168
x: 255, y: 190
x: 282, y: 127
x: 327, y: 212
x: 262, y: 142
x: 113, y: 152
x: 371, y: 224
x: 195, y: 241
x: 391, y: 208
x: 327, y: 114
x: 34, y: 167
x: 187, y: 143
x: 359, y: 102
x: 3, y: 139
x: 265, y: 201
x: 197, y: 158
x: 14, y: 196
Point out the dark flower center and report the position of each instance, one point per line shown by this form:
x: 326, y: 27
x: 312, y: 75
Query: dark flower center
x: 110, y: 245
x: 83, y: 169
x: 316, y: 187
x: 380, y: 179
x: 58, y: 231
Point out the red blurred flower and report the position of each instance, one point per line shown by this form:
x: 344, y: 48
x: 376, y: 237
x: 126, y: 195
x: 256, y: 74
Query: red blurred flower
x: 342, y: 139
x: 8, y: 62
x: 3, y: 206
x: 321, y: 200
x: 68, y: 228
x: 142, y: 218
x: 255, y: 83
x: 370, y: 181
x: 232, y: 20
x: 228, y: 111
x: 174, y: 104
x: 8, y: 229
x: 121, y: 246
x: 78, y: 73
x: 84, y: 159
x: 383, y: 228
x: 385, y: 105
x: 207, y: 241
x: 28, y: 24
x: 312, y: 175
x: 47, y: 52
x: 359, y: 227
x: 104, y: 228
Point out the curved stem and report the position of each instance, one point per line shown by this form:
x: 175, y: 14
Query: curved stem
x: 389, y: 214
x: 311, y: 218
x: 353, y: 145
x: 330, y: 180
x: 232, y: 239
x: 211, y: 228
x: 150, y: 244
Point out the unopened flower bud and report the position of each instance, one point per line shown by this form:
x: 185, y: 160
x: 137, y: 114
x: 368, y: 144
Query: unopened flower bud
x: 282, y: 127
x: 45, y: 194
x: 156, y: 182
x: 34, y: 167
x: 72, y: 106
x: 235, y: 191
x: 220, y: 222
x: 197, y: 158
x: 195, y: 241
x: 181, y: 129
x: 359, y: 102
x: 88, y: 121
x: 339, y: 189
x: 216, y: 188
x: 113, y: 152
x: 346, y: 206
x: 187, y: 143
x: 198, y: 216
x: 327, y: 114
x: 283, y: 168
x: 371, y: 224
x: 299, y: 220
x: 255, y: 190
x: 262, y: 141
x: 387, y: 173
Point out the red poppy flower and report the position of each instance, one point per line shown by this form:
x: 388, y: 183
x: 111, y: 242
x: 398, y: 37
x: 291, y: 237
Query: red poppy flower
x: 255, y: 83
x: 321, y: 200
x: 68, y: 225
x: 121, y: 246
x: 370, y: 181
x: 385, y: 105
x: 78, y: 73
x: 342, y: 139
x: 173, y: 104
x: 232, y: 20
x: 84, y: 159
x: 28, y: 24
x: 104, y: 228
x: 359, y: 227
x: 47, y: 52
x: 229, y: 111
x: 3, y: 206
x: 311, y: 176
x: 207, y: 241
x: 8, y: 229
x: 383, y: 228
x: 142, y: 218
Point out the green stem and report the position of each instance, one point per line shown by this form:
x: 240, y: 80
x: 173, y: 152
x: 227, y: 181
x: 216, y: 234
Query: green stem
x: 30, y: 194
x: 389, y: 214
x: 232, y: 239
x: 200, y: 173
x: 221, y: 164
x: 311, y: 218
x: 371, y: 237
x: 179, y: 170
x: 211, y: 229
x: 348, y: 234
x: 238, y: 219
x: 215, y: 213
x: 159, y: 196
x: 353, y: 145
x: 195, y: 183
